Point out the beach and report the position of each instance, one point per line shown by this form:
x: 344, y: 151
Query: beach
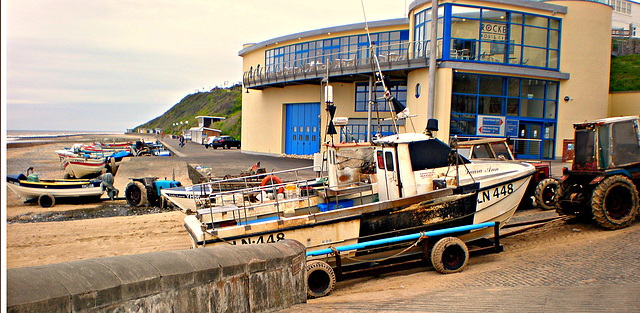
x: 41, y: 243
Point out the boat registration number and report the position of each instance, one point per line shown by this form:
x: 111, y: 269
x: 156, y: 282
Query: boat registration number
x: 495, y: 193
x: 259, y: 239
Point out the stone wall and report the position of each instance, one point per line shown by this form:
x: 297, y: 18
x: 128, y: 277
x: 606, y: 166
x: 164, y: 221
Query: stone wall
x: 247, y: 278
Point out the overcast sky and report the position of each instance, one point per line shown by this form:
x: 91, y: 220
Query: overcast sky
x: 112, y: 65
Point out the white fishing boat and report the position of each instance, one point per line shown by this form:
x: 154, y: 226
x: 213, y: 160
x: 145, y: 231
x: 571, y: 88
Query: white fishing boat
x: 419, y: 184
x: 416, y: 187
x: 83, y: 167
x: 30, y: 187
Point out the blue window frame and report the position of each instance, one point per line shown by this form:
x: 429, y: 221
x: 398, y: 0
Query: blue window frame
x: 398, y: 90
x: 353, y: 48
x: 356, y: 130
x: 487, y: 35
x: 528, y: 102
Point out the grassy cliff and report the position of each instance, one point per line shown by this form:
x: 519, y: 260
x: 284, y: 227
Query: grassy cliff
x: 224, y: 102
x: 625, y: 73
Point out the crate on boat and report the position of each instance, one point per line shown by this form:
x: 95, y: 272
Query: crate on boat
x: 324, y: 207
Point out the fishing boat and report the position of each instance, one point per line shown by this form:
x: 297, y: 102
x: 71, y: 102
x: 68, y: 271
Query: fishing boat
x: 30, y: 187
x: 417, y: 184
x: 83, y: 167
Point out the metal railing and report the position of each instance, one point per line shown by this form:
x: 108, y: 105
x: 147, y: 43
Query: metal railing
x: 390, y: 56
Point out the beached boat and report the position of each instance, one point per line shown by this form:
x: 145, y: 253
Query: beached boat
x: 30, y: 187
x: 83, y: 167
x: 416, y: 188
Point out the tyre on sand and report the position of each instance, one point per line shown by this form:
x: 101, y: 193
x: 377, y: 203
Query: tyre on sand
x: 449, y: 255
x: 614, y: 202
x: 136, y: 194
x: 545, y: 194
x: 46, y: 200
x: 321, y: 279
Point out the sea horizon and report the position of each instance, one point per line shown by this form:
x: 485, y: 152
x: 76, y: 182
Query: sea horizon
x: 14, y: 135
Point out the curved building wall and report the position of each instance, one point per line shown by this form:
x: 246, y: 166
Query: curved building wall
x: 514, y: 63
x: 586, y: 56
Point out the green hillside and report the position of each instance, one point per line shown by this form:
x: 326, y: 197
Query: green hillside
x: 625, y: 73
x: 224, y: 102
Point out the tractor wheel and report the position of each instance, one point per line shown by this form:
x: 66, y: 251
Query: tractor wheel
x: 545, y: 194
x: 46, y: 200
x: 320, y: 279
x: 614, y: 202
x: 560, y: 192
x: 136, y: 194
x: 449, y: 255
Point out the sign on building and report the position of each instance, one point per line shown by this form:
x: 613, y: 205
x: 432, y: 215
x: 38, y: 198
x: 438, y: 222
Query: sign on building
x: 491, y: 125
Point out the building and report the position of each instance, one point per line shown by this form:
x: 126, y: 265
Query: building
x: 523, y: 69
x: 204, y: 129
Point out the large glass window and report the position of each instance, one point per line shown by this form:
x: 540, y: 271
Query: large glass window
x: 516, y: 100
x: 398, y: 90
x: 347, y: 50
x: 495, y: 36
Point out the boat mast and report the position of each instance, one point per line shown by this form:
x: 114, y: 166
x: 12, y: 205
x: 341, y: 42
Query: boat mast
x: 432, y: 60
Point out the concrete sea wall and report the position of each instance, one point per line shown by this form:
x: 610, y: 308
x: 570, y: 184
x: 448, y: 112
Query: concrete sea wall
x: 248, y: 278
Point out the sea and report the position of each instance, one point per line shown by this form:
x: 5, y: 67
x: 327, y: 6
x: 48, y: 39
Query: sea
x: 27, y: 135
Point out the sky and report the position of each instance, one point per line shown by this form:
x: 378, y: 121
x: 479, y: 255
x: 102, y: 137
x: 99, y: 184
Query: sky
x: 111, y: 65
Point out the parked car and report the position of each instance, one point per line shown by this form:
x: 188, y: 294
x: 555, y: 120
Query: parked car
x: 541, y: 187
x: 209, y: 141
x: 225, y: 142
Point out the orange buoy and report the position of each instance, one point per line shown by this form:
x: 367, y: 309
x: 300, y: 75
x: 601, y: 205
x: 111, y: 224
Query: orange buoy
x: 272, y: 180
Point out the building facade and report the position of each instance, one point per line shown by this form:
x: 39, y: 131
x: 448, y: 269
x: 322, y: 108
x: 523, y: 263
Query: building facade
x: 521, y: 69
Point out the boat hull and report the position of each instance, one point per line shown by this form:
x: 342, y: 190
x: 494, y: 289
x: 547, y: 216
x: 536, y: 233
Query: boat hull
x: 81, y: 167
x: 438, y: 209
x: 58, y: 189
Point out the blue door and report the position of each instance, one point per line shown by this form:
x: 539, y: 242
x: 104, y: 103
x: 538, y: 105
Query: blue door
x: 302, y: 130
x: 530, y: 145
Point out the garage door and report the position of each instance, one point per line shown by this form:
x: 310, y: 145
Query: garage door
x: 303, y: 128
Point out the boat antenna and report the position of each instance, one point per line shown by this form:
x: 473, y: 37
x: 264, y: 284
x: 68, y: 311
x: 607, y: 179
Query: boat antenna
x: 395, y: 105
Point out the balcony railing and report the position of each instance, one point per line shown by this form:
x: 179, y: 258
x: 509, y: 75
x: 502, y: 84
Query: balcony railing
x: 394, y: 56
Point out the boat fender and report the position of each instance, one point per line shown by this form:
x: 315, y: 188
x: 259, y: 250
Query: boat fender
x: 272, y: 180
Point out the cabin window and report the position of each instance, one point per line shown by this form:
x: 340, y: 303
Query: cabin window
x: 388, y: 159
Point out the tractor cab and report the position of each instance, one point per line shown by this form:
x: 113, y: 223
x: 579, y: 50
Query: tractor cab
x: 607, y: 144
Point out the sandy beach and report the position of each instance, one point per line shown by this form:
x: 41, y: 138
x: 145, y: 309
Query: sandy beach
x: 40, y: 243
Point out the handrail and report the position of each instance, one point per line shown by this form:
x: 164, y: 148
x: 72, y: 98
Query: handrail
x: 312, y: 66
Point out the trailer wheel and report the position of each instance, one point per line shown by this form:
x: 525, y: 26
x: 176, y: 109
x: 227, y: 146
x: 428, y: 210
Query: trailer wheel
x: 545, y: 194
x: 614, y: 202
x: 136, y: 194
x: 320, y: 279
x: 46, y: 200
x: 449, y: 255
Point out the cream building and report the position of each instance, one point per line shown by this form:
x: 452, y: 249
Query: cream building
x: 521, y: 69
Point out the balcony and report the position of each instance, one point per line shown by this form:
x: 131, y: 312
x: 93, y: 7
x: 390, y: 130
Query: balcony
x: 394, y: 60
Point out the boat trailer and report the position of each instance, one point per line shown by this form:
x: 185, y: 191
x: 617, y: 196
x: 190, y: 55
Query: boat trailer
x: 447, y: 253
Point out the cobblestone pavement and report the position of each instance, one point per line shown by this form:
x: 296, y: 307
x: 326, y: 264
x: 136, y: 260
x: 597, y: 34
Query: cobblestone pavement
x: 562, y: 267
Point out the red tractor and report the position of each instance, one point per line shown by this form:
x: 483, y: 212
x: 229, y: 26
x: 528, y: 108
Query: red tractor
x: 602, y: 183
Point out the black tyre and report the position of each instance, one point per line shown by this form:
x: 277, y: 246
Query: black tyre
x: 545, y: 194
x: 614, y: 202
x: 449, y: 255
x: 320, y: 279
x: 215, y: 147
x: 46, y: 200
x: 136, y: 194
